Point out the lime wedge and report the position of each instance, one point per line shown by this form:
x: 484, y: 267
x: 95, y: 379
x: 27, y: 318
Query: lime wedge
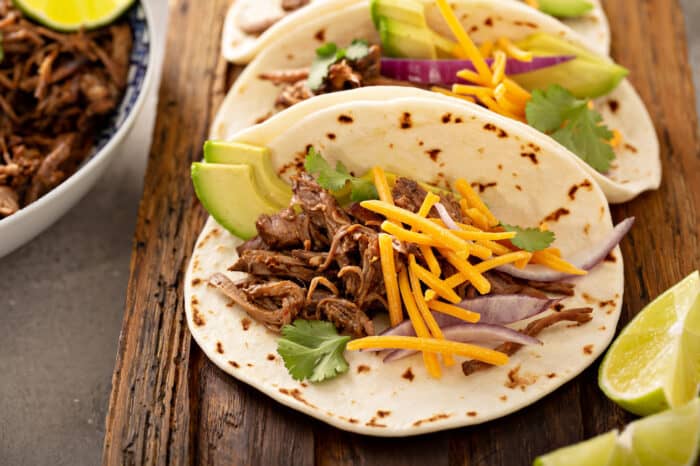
x: 654, y: 363
x: 670, y: 438
x: 601, y: 450
x: 71, y: 15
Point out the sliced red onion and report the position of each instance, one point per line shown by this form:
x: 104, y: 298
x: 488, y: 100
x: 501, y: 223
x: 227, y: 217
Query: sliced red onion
x: 506, y: 308
x: 445, y: 217
x: 445, y: 71
x: 477, y: 334
x: 586, y: 259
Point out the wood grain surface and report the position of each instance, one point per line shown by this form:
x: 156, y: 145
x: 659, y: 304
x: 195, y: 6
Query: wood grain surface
x: 169, y: 405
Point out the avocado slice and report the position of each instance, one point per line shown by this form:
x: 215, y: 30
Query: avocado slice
x: 587, y: 76
x: 234, y: 153
x: 404, y: 40
x: 405, y: 11
x: 565, y: 8
x: 230, y: 195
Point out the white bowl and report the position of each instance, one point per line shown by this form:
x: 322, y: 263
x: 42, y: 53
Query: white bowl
x: 19, y: 228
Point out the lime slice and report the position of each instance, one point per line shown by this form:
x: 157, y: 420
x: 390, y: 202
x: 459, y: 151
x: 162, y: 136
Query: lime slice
x: 601, y: 450
x: 655, y: 362
x: 71, y: 15
x: 670, y: 438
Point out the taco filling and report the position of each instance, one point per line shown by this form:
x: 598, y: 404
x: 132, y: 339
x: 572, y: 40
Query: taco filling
x: 450, y: 278
x: 542, y: 80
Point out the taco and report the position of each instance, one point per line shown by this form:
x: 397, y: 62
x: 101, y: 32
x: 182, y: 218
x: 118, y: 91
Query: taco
x: 251, y: 24
x: 546, y: 76
x: 393, y: 220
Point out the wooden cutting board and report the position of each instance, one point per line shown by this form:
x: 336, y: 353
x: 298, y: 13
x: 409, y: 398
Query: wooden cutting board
x: 169, y: 405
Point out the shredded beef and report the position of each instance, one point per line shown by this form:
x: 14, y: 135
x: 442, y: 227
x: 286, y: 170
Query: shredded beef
x: 346, y: 316
x: 56, y: 91
x: 580, y: 315
x: 261, y: 263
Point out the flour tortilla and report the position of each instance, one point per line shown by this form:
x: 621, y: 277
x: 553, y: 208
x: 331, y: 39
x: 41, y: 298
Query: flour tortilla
x: 400, y: 399
x: 637, y: 167
x: 240, y: 47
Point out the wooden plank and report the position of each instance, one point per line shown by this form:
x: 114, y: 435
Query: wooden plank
x: 170, y: 405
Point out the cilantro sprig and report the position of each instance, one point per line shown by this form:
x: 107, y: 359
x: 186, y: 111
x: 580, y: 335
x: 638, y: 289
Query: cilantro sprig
x: 339, y: 178
x: 530, y: 239
x: 312, y: 350
x: 570, y: 122
x: 329, y: 54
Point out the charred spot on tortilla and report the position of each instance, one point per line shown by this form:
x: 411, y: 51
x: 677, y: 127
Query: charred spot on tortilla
x: 236, y: 365
x: 362, y: 368
x: 194, y: 301
x: 534, y: 146
x: 518, y: 380
x: 531, y: 156
x: 630, y: 148
x: 345, y: 119
x: 219, y: 347
x: 433, y: 154
x: 525, y: 23
x: 551, y: 375
x: 421, y: 143
x: 197, y: 317
x: 503, y: 398
x: 473, y: 29
x: 488, y: 22
x: 481, y: 150
x: 320, y: 35
x: 613, y: 105
x: 296, y: 394
x: 609, y: 302
x: 245, y: 323
x: 373, y: 423
x: 471, y: 413
x: 263, y: 118
x: 518, y: 187
x: 231, y: 303
x: 271, y: 357
x: 484, y: 186
x: 610, y: 258
x: 304, y: 384
x: 446, y: 118
x: 584, y: 184
x: 408, y: 375
x: 587, y: 228
x: 290, y: 56
x: 458, y: 120
x: 557, y: 214
x: 330, y: 136
x: 558, y: 307
x: 588, y: 349
x: 391, y: 145
x: 196, y: 281
x: 383, y: 414
x: 434, y: 418
x: 405, y: 121
x: 602, y: 328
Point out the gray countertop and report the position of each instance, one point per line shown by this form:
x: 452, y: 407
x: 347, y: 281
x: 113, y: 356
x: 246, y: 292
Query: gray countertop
x: 62, y: 301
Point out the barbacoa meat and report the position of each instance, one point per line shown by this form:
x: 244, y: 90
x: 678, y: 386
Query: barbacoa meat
x: 56, y: 91
x: 316, y: 260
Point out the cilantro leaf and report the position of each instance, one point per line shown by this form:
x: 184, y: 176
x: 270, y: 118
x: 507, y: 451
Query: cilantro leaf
x: 362, y: 190
x: 335, y: 179
x: 571, y: 123
x: 312, y: 350
x: 329, y: 54
x: 530, y: 239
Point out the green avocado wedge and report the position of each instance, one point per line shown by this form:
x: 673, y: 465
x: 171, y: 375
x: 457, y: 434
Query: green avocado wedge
x: 586, y: 77
x: 233, y: 153
x: 565, y: 8
x: 230, y: 195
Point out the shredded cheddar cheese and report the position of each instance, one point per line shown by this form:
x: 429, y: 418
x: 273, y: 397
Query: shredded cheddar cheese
x: 435, y: 283
x: 482, y: 285
x: 408, y: 236
x: 512, y: 50
x: 433, y: 326
x: 431, y: 345
x: 555, y: 263
x: 382, y: 186
x: 452, y: 94
x: 501, y: 260
x: 454, y: 311
x: 499, y: 69
x: 475, y: 201
x: 478, y: 218
x: 438, y: 233
x: 430, y: 258
x: 429, y: 358
x: 386, y: 255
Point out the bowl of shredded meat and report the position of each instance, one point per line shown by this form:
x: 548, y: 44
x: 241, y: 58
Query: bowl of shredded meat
x: 67, y: 101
